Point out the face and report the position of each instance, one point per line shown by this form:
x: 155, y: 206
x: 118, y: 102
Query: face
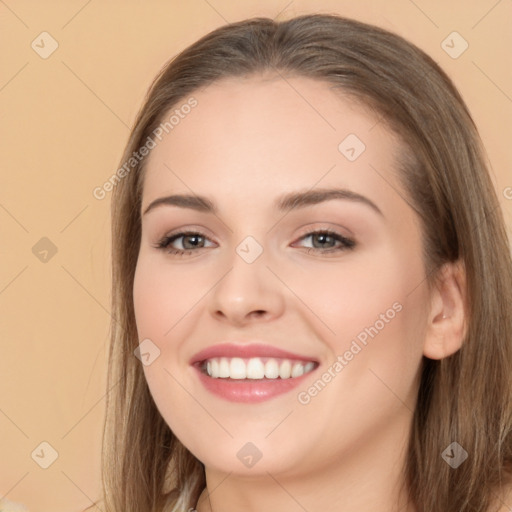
x: 333, y: 280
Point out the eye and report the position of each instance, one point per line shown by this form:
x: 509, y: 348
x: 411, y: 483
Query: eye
x: 327, y: 241
x: 190, y: 241
x: 324, y: 241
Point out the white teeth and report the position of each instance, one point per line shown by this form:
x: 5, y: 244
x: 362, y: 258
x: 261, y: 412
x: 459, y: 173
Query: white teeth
x: 297, y: 370
x: 237, y: 369
x: 223, y: 368
x: 285, y: 371
x: 255, y: 368
x: 308, y: 367
x: 271, y: 369
x: 214, y: 367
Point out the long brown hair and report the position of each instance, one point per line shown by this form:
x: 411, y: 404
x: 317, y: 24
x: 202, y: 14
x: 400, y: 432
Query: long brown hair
x: 464, y: 398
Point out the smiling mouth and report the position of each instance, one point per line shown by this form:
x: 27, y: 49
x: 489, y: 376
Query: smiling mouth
x: 255, y: 368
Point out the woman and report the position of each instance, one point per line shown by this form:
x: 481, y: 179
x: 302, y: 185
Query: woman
x: 312, y: 286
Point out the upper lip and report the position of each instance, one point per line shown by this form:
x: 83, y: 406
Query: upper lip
x: 246, y: 351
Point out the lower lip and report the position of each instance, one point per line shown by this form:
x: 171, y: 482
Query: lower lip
x: 249, y: 390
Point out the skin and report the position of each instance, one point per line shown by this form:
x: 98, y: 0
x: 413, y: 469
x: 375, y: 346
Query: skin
x: 248, y: 141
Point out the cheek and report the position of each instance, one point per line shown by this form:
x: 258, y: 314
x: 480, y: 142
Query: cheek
x: 377, y: 314
x: 164, y: 296
x: 371, y: 312
x: 163, y: 303
x: 351, y: 295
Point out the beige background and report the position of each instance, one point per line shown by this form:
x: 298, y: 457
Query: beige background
x: 64, y: 122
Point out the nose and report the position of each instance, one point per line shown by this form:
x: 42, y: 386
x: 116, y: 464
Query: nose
x: 247, y: 292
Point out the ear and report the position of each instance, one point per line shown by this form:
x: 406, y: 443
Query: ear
x: 447, y: 322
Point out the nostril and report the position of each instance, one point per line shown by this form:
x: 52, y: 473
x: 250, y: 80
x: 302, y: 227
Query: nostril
x: 259, y: 313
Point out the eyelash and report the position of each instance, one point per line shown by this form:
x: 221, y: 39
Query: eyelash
x: 347, y: 244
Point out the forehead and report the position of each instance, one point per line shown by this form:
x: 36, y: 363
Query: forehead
x: 265, y: 134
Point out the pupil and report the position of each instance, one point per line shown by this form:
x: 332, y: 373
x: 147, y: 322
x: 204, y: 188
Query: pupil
x: 323, y: 238
x: 194, y: 237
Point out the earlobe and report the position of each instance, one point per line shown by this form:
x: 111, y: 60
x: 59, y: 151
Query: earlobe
x: 446, y: 321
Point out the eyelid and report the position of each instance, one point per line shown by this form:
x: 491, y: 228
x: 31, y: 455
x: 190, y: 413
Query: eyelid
x: 181, y: 233
x: 346, y: 242
x: 326, y: 226
x: 189, y: 230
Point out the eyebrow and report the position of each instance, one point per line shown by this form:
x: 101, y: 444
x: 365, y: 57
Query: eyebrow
x: 285, y: 203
